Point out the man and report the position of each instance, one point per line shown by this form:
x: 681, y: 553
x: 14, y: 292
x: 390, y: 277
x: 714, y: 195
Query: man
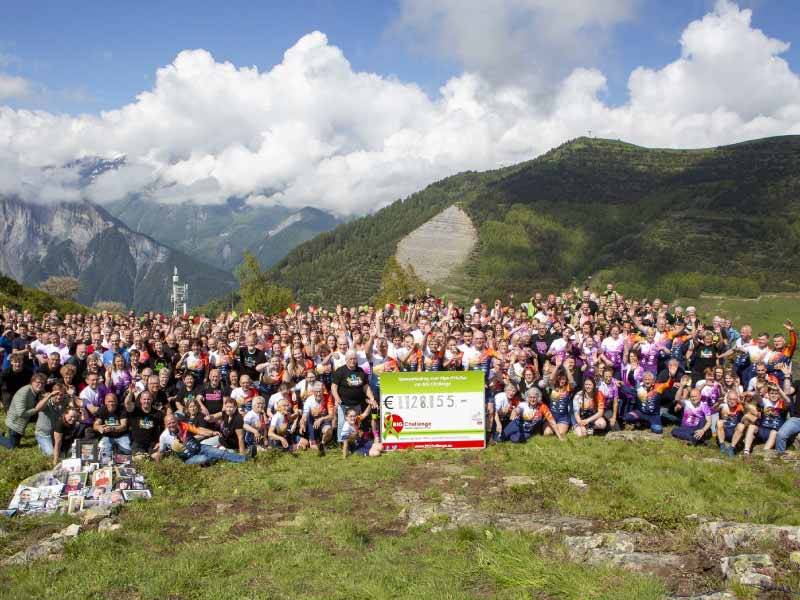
x: 146, y: 423
x: 350, y: 389
x: 479, y: 358
x: 111, y: 422
x: 791, y: 426
x: 21, y: 410
x: 79, y: 360
x: 648, y: 403
x: 90, y: 400
x: 51, y: 370
x: 213, y: 393
x: 113, y: 349
x: 13, y: 378
x: 250, y: 357
x: 178, y: 437
x: 66, y: 430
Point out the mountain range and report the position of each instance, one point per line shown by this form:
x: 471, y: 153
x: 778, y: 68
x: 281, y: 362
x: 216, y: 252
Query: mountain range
x: 112, y: 262
x: 654, y: 221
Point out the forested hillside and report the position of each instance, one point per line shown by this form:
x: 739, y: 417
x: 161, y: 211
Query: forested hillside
x: 671, y: 222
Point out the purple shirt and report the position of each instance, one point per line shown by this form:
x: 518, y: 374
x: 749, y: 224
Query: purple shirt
x: 693, y: 415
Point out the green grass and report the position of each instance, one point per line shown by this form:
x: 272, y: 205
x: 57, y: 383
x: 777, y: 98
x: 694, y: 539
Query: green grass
x: 767, y: 313
x: 303, y: 526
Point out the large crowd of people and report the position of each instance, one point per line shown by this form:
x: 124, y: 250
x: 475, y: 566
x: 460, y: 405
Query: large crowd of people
x: 227, y: 387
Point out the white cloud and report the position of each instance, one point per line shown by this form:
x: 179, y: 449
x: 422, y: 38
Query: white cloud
x: 12, y: 86
x: 311, y: 131
x: 534, y: 41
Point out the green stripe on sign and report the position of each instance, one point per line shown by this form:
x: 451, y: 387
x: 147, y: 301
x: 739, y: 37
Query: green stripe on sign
x: 442, y: 431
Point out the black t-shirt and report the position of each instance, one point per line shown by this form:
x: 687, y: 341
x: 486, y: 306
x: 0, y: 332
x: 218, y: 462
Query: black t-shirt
x: 69, y: 432
x: 53, y: 376
x: 12, y: 381
x: 248, y: 361
x: 185, y: 396
x: 351, y: 384
x: 159, y: 363
x: 227, y: 430
x: 113, y: 419
x: 703, y: 357
x: 212, y: 398
x: 145, y: 427
x: 794, y: 407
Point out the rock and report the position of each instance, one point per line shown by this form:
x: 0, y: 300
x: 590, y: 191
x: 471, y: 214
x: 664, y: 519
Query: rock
x: 452, y: 512
x: 578, y: 483
x: 637, y: 524
x: 734, y: 535
x: 712, y: 596
x: 748, y: 569
x: 50, y: 549
x: 617, y: 548
x: 223, y: 507
x: 107, y: 525
x: 581, y: 546
x: 514, y: 480
x: 96, y: 514
x: 794, y: 557
x: 634, y: 436
x: 71, y: 531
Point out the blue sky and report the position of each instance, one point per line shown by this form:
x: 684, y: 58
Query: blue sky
x: 389, y: 97
x: 89, y: 56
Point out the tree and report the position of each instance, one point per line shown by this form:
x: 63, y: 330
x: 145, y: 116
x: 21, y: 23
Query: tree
x: 110, y: 306
x: 398, y: 283
x: 65, y: 288
x: 256, y: 291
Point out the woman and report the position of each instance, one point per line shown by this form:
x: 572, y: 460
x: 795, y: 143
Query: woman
x: 280, y: 434
x: 588, y: 410
x: 118, y: 377
x: 612, y: 350
x: 772, y: 407
x: 194, y: 414
x: 560, y: 392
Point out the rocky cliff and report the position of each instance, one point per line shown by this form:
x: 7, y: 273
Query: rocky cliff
x: 111, y: 261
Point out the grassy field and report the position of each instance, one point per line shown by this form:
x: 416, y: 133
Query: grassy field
x: 766, y: 313
x: 304, y: 526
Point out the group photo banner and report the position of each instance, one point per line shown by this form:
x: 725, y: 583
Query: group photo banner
x: 433, y: 410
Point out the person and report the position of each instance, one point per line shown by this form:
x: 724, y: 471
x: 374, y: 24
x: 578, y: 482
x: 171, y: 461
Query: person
x: 791, y: 427
x: 530, y: 418
x: 317, y: 418
x: 648, y: 403
x: 730, y: 429
x: 282, y: 432
x: 49, y: 409
x: 696, y: 420
x: 66, y: 430
x: 111, y: 423
x: 146, y: 423
x: 772, y: 406
x: 352, y: 437
x: 256, y: 424
x: 350, y: 390
x: 21, y: 410
x: 588, y: 410
x: 230, y: 424
x: 181, y: 439
x: 14, y: 377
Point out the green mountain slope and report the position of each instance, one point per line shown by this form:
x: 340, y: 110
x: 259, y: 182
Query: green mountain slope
x: 16, y: 296
x: 219, y: 234
x: 667, y: 221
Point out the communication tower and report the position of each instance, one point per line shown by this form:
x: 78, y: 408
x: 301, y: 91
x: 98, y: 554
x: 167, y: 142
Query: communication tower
x: 180, y: 294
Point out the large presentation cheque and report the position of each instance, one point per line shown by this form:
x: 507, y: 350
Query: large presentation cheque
x: 433, y: 410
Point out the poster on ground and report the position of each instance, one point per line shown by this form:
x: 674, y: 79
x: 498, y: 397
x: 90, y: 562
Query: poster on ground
x: 443, y: 409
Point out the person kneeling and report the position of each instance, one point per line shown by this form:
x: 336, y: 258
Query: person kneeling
x: 588, y: 409
x: 352, y: 436
x: 696, y: 419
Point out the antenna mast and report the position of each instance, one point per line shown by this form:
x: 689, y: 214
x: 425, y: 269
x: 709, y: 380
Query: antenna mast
x: 180, y: 294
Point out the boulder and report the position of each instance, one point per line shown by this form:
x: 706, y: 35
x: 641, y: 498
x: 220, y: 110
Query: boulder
x: 51, y: 548
x: 71, y: 531
x: 578, y: 483
x: 96, y: 514
x: 734, y: 535
x: 748, y: 569
x: 107, y: 525
x: 617, y: 549
x: 516, y: 480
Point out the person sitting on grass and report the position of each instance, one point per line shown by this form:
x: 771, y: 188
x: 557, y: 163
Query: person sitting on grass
x: 647, y: 409
x: 256, y: 424
x: 530, y: 418
x: 504, y: 404
x: 316, y: 424
x: 353, y: 438
x: 231, y: 427
x: 696, y: 414
x: 66, y: 430
x: 730, y: 428
x: 772, y: 406
x: 183, y: 440
x: 281, y: 433
x: 146, y: 423
x: 588, y: 410
x: 111, y: 423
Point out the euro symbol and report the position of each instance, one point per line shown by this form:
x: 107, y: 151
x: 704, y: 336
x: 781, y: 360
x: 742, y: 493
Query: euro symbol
x: 387, y: 402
